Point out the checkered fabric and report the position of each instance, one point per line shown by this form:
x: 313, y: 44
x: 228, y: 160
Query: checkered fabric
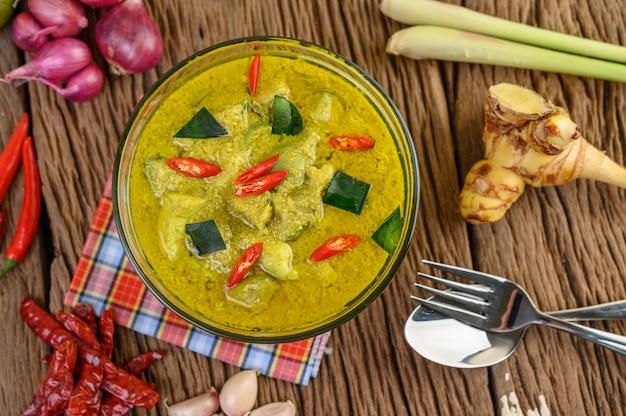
x: 105, y: 279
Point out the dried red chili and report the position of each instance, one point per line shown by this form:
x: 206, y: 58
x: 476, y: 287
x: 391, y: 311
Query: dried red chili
x: 86, y: 396
x: 79, y: 328
x: 11, y: 155
x: 257, y: 170
x: 245, y: 262
x: 253, y: 74
x: 113, y: 405
x: 117, y: 381
x: 193, y: 167
x: 260, y: 184
x: 85, y: 312
x: 52, y: 396
x: 334, y: 246
x: 31, y: 208
x: 351, y: 142
x: 107, y: 329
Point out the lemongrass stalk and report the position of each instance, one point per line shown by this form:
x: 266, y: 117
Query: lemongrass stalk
x: 430, y: 42
x: 435, y: 13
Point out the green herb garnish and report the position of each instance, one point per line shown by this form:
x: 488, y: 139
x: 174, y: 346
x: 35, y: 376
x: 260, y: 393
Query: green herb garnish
x: 346, y: 192
x: 388, y: 234
x: 286, y: 118
x: 205, y: 236
x: 202, y: 126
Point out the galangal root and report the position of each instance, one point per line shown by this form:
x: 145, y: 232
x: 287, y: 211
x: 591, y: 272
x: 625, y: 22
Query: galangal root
x: 528, y: 140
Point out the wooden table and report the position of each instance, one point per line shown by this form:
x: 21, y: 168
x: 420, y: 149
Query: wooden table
x: 566, y: 244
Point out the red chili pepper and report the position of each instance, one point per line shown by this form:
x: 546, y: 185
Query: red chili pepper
x: 193, y: 167
x: 261, y: 184
x: 31, y: 208
x: 85, y: 312
x: 113, y: 405
x: 257, y: 170
x: 52, y: 396
x: 11, y: 155
x: 116, y: 381
x: 79, y: 328
x: 3, y: 225
x: 253, y: 74
x: 245, y: 262
x: 86, y: 396
x: 107, y: 329
x: 351, y: 143
x: 334, y: 246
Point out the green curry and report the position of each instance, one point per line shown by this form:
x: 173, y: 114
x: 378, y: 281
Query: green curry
x: 284, y: 289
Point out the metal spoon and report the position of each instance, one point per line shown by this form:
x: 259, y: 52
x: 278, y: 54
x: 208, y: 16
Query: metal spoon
x: 449, y: 342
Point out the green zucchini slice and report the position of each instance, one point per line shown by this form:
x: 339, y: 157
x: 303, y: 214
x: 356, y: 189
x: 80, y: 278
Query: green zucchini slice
x: 205, y: 236
x: 202, y: 126
x: 346, y: 192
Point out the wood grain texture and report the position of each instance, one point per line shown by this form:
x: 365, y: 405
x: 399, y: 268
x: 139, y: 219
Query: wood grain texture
x: 566, y: 244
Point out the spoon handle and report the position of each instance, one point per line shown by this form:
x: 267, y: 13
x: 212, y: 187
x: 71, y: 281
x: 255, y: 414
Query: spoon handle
x: 603, y: 311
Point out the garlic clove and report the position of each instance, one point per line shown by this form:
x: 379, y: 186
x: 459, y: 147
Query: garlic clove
x: 286, y: 408
x: 239, y: 393
x: 205, y: 404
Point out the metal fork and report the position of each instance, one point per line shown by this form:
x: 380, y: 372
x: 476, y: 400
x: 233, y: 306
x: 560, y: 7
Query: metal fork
x: 497, y: 304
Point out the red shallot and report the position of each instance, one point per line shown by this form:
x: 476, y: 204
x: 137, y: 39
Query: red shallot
x: 55, y: 61
x: 67, y: 17
x: 28, y: 33
x: 82, y: 86
x: 128, y: 38
x: 102, y: 4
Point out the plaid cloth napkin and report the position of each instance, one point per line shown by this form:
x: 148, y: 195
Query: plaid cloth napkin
x: 105, y: 278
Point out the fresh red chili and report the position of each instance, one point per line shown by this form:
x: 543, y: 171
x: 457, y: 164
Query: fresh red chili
x: 261, y: 184
x: 54, y: 392
x: 86, y: 395
x: 351, y: 142
x: 113, y: 405
x: 31, y: 208
x: 11, y: 155
x: 193, y: 167
x: 79, y: 328
x: 257, y: 170
x: 253, y: 74
x: 106, y: 330
x: 116, y: 381
x: 334, y: 246
x: 245, y: 262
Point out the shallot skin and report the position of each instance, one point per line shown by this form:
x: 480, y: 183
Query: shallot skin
x: 84, y: 85
x: 101, y: 4
x: 129, y: 39
x: 67, y: 17
x: 28, y: 33
x: 55, y: 61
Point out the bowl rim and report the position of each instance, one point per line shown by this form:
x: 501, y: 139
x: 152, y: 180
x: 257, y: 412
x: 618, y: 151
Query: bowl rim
x: 363, y: 302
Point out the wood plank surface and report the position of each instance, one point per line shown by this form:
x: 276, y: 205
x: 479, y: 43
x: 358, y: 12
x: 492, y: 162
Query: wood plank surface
x: 566, y: 245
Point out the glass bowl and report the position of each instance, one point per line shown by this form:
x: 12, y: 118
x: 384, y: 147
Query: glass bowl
x: 128, y: 219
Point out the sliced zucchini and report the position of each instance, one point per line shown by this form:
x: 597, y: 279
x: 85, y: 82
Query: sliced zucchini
x: 176, y: 211
x: 388, y: 234
x: 346, y: 192
x: 205, y: 237
x: 276, y: 260
x: 202, y: 126
x: 254, y: 292
x: 327, y: 106
x: 286, y: 118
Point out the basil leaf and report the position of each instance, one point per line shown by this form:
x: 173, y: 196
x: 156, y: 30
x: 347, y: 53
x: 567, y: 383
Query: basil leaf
x: 205, y: 236
x: 346, y: 192
x: 202, y: 126
x: 286, y: 118
x: 388, y: 234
